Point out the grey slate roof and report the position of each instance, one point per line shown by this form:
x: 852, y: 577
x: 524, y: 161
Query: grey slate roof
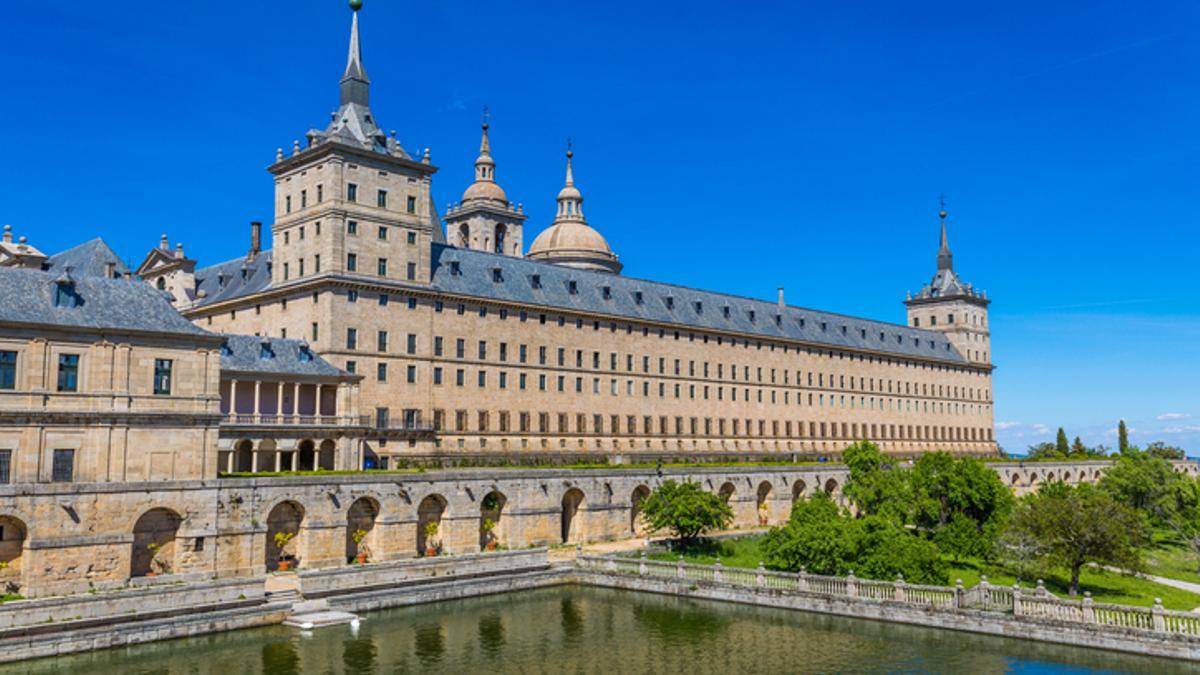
x: 27, y: 296
x: 233, y: 279
x: 689, y: 307
x: 88, y: 259
x: 244, y: 353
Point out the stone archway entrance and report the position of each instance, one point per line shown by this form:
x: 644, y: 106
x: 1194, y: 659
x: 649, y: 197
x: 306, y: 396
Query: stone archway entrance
x: 154, y: 543
x: 430, y: 539
x: 763, y: 503
x: 491, y: 508
x: 286, y: 519
x: 360, y: 528
x: 635, y: 509
x: 13, y: 535
x: 306, y: 456
x: 571, y: 503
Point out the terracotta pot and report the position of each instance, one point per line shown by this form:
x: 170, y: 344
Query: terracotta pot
x: 361, y: 558
x: 285, y: 565
x: 151, y: 573
x: 430, y: 552
x: 491, y: 546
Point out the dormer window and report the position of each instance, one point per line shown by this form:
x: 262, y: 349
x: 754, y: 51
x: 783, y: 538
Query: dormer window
x: 573, y: 287
x: 305, y: 354
x: 606, y: 292
x: 725, y: 311
x: 265, y: 352
x: 802, y: 322
x: 455, y: 268
x: 638, y: 298
x: 753, y: 316
x: 226, y: 350
x: 843, y: 330
x: 161, y: 284
x: 535, y: 281
x: 64, y: 292
x: 497, y: 277
x: 670, y: 302
x: 824, y: 326
x: 778, y: 319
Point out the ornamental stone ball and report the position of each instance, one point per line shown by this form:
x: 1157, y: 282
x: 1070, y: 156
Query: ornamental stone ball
x: 355, y: 5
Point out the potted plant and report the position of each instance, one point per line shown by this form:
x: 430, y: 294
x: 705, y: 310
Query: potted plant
x: 431, y: 530
x: 157, y: 564
x: 282, y: 539
x: 489, y: 527
x: 362, y: 549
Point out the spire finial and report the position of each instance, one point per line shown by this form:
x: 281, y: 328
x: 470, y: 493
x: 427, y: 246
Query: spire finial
x: 942, y: 210
x: 355, y: 85
x: 570, y: 154
x: 945, y: 259
x: 485, y: 147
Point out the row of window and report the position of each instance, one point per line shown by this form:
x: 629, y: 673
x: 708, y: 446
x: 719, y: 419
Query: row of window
x: 663, y: 425
x: 381, y: 198
x: 612, y: 362
x: 62, y: 466
x: 68, y: 373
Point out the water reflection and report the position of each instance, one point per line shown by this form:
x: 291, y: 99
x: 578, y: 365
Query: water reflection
x: 584, y: 630
x: 491, y: 633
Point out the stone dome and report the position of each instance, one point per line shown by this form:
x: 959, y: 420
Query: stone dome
x: 485, y: 189
x: 574, y: 244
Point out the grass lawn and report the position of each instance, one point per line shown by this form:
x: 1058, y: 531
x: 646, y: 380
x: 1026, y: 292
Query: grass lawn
x: 1104, y: 586
x: 1172, y: 559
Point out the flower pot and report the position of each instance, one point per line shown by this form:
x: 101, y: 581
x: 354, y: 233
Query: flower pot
x: 361, y: 558
x: 285, y: 565
x: 151, y: 573
x: 430, y: 552
x: 491, y: 546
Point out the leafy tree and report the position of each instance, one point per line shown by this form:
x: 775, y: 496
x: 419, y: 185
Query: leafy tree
x: 686, y: 509
x: 1061, y: 446
x: 1070, y: 527
x: 1043, y: 451
x: 885, y: 550
x: 1160, y: 449
x: 1078, y: 449
x: 1122, y: 438
x: 946, y: 488
x: 817, y: 536
x: 876, y: 485
x: 1145, y: 483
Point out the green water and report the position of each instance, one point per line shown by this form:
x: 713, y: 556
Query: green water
x: 589, y: 630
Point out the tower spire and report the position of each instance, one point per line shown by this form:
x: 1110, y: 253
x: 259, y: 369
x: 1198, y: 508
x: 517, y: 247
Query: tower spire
x: 485, y: 147
x: 945, y: 259
x: 355, y: 87
x: 570, y: 199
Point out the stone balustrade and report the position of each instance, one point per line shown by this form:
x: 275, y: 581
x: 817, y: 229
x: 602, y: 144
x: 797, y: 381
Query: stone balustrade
x: 1015, y: 602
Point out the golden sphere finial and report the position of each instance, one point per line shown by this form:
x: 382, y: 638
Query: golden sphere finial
x: 942, y: 214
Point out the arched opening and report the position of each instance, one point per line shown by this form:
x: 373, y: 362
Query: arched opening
x: 798, y: 490
x: 501, y: 233
x: 161, y: 284
x: 491, y: 508
x: 243, y: 457
x: 12, y: 548
x: 635, y: 509
x: 763, y: 503
x: 1033, y: 479
x: 726, y: 492
x: 1016, y: 479
x: 464, y: 236
x: 307, y: 456
x: 1066, y: 478
x: 430, y: 537
x: 326, y: 455
x: 283, y: 534
x: 360, y: 529
x: 571, y: 503
x: 1050, y: 477
x: 154, y: 543
x: 268, y: 455
x: 831, y: 486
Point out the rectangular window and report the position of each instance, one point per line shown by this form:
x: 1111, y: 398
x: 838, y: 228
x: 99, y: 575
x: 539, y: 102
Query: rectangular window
x: 316, y: 331
x: 412, y: 374
x: 412, y: 238
x: 381, y: 372
x: 412, y: 343
x: 437, y: 345
x: 351, y: 367
x: 63, y: 469
x: 317, y: 264
x: 5, y: 466
x: 162, y: 377
x: 351, y: 262
x: 8, y: 370
x: 381, y: 199
x: 411, y: 273
x: 383, y: 232
x: 351, y: 192
x: 383, y: 340
x: 382, y: 268
x: 351, y: 338
x: 437, y: 376
x: 68, y: 372
x: 412, y: 204
x: 352, y: 228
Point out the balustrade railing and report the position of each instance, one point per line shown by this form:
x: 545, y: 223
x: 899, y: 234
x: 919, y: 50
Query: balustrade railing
x: 277, y: 420
x: 1034, y: 603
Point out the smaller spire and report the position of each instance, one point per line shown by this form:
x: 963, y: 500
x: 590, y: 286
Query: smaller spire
x: 355, y: 85
x: 570, y: 154
x: 945, y: 259
x: 484, y: 147
x: 570, y: 199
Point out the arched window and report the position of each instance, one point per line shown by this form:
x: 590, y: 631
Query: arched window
x: 161, y: 283
x: 501, y: 231
x: 464, y: 236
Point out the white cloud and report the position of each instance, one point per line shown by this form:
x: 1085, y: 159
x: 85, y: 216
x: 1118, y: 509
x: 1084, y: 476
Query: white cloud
x: 1186, y: 429
x: 1041, y: 429
x: 1004, y: 426
x: 1172, y: 416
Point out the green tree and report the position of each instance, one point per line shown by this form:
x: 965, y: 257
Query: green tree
x: 1043, y: 451
x: 1122, y: 438
x: 884, y: 549
x: 686, y: 509
x: 1078, y: 449
x: 1160, y: 449
x: 1061, y: 446
x: 1146, y: 483
x: 876, y: 485
x: 946, y: 489
x: 818, y: 537
x: 1069, y: 527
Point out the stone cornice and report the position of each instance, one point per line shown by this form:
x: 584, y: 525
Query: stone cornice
x: 327, y: 148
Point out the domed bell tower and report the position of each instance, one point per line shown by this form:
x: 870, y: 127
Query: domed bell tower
x: 952, y: 307
x: 485, y: 220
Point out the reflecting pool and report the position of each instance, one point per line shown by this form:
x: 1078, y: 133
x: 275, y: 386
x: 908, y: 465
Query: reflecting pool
x: 588, y: 630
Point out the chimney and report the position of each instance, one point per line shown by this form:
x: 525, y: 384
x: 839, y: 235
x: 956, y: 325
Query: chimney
x: 255, y: 238
x: 781, y: 303
x: 110, y: 270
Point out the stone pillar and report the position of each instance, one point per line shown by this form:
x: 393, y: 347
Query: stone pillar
x: 760, y: 576
x: 1160, y: 621
x: 901, y: 596
x: 233, y: 398
x: 717, y: 571
x: 279, y: 399
x: 296, y: 399
x: 679, y: 568
x: 642, y: 565
x: 257, y: 398
x: 852, y: 585
x: 1089, y: 612
x: 1016, y: 600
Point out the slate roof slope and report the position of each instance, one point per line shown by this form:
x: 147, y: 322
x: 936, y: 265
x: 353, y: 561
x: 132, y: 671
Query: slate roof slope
x: 666, y: 303
x: 233, y: 279
x: 27, y: 296
x: 244, y: 353
x: 88, y: 259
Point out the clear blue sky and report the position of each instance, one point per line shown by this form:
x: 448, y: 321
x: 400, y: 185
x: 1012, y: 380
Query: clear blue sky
x: 731, y: 146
